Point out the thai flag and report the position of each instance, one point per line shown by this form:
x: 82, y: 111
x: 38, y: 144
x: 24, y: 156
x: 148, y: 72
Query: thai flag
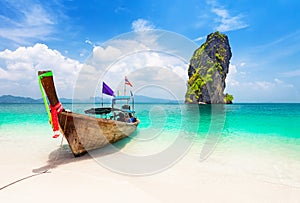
x: 127, y: 81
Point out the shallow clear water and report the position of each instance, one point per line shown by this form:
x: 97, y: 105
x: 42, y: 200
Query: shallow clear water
x: 259, y: 139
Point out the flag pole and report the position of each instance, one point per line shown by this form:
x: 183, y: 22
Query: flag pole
x: 124, y: 87
x: 132, y: 100
x: 102, y: 99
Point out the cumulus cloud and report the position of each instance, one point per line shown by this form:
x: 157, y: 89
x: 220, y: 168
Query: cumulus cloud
x: 143, y: 67
x: 142, y: 25
x: 145, y: 57
x: 18, y: 70
x: 106, y: 54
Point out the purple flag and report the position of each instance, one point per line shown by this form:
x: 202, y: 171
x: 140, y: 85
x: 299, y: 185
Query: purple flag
x: 107, y: 90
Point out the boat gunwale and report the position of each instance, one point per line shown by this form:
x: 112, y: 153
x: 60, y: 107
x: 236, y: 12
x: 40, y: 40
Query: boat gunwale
x: 91, y: 118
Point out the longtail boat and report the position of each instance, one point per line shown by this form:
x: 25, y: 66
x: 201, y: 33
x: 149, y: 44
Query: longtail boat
x: 85, y: 132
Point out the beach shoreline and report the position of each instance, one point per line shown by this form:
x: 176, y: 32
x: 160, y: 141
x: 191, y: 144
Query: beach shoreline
x: 83, y: 179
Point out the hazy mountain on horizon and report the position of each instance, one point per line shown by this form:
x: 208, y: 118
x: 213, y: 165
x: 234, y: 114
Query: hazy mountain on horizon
x: 10, y: 99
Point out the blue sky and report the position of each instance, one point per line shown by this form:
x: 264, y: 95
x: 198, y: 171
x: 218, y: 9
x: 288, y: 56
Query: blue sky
x: 264, y: 38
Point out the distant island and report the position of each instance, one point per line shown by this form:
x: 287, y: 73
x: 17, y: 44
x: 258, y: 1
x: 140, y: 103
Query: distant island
x: 10, y: 99
x: 207, y: 71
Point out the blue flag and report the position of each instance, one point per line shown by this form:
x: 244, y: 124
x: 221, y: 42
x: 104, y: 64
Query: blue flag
x: 107, y: 90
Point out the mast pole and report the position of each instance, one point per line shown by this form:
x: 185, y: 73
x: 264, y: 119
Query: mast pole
x: 124, y: 88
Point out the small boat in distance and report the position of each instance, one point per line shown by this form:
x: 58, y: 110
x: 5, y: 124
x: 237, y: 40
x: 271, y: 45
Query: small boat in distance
x: 84, y: 132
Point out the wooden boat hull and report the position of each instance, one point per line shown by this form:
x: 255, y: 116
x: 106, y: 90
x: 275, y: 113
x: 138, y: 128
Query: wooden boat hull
x: 85, y: 133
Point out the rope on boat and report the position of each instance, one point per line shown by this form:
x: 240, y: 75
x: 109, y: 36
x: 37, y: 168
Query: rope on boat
x: 55, y: 110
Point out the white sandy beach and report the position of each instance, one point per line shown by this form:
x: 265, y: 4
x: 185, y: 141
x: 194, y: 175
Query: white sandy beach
x: 82, y: 179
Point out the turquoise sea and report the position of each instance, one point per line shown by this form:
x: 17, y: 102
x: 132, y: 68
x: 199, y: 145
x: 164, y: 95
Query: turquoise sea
x: 262, y: 140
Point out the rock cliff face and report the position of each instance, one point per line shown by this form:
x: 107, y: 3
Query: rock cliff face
x: 207, y: 72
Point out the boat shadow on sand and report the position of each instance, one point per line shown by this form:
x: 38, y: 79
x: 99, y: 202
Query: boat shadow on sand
x: 63, y: 155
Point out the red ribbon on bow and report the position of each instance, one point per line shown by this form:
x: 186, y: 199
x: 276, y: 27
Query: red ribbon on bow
x: 54, y: 117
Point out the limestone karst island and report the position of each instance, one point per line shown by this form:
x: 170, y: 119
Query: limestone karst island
x: 207, y: 72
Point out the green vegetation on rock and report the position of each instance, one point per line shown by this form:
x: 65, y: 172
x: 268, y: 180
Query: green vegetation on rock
x: 228, y: 99
x: 208, y: 70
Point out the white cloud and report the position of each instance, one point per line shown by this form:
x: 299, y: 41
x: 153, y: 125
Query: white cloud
x: 233, y: 69
x: 121, y: 9
x: 231, y: 80
x: 245, y: 88
x: 148, y: 58
x: 228, y: 22
x: 142, y: 65
x: 242, y: 64
x: 282, y: 83
x: 262, y: 85
x: 225, y: 21
x: 150, y: 62
x: 269, y: 86
x: 142, y: 25
x: 18, y: 70
x: 36, y: 16
x: 106, y: 54
x: 278, y: 81
x: 181, y: 71
x: 110, y: 60
x: 3, y: 74
x: 221, y: 12
x: 294, y: 73
x: 200, y: 38
x: 87, y: 41
x: 144, y: 69
x: 288, y: 39
x: 30, y: 21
